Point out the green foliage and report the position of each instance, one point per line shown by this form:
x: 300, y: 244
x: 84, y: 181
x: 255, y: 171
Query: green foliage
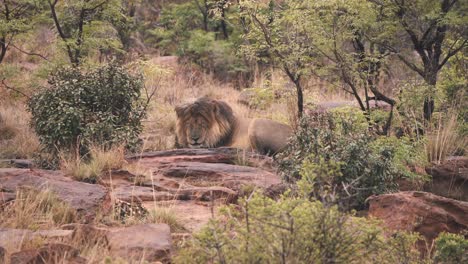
x: 177, y: 21
x: 294, y: 230
x: 216, y: 56
x: 101, y: 106
x: 451, y: 249
x: 340, y: 161
x: 84, y: 26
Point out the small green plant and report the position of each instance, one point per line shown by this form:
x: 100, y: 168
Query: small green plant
x: 451, y: 249
x: 101, y: 106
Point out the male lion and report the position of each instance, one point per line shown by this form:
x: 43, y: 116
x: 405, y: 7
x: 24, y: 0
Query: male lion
x: 208, y: 123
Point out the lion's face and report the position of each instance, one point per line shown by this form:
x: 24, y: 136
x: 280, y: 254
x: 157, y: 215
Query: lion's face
x: 204, y: 123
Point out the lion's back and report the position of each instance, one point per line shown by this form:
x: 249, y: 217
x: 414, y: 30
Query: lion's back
x: 268, y: 136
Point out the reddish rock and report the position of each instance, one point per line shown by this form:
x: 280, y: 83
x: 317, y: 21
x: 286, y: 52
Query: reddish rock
x: 87, y: 232
x: 449, y: 179
x: 12, y: 239
x: 421, y: 212
x: 224, y: 155
x: 83, y: 197
x: 196, y: 174
x: 48, y: 254
x: 149, y: 242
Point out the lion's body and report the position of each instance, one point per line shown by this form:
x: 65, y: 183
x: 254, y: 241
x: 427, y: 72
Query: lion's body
x: 211, y: 123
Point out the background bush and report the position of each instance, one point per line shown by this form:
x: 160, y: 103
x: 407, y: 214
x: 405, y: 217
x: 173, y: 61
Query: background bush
x: 343, y: 162
x: 101, y: 106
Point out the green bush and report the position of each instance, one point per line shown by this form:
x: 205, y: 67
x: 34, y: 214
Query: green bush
x: 101, y: 106
x: 214, y: 56
x: 335, y: 151
x: 451, y: 248
x: 294, y: 230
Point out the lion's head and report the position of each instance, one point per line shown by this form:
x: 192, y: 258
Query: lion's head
x: 205, y: 123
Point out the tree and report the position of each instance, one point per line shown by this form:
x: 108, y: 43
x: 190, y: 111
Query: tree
x: 15, y: 19
x: 276, y: 33
x: 77, y: 24
x: 435, y: 29
x: 346, y: 37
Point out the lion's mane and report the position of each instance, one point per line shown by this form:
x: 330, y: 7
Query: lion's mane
x: 220, y: 125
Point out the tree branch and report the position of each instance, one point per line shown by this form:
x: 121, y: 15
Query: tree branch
x: 14, y: 89
x: 25, y: 52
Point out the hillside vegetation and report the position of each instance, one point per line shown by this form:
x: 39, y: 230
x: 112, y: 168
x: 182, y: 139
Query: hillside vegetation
x: 376, y: 92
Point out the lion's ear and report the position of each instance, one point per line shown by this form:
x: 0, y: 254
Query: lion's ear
x: 179, y: 110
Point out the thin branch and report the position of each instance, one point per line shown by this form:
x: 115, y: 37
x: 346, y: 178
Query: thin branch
x: 14, y: 89
x: 451, y: 53
x: 26, y: 52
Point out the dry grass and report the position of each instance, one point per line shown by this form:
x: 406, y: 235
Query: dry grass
x: 34, y: 209
x: 17, y: 139
x: 165, y: 215
x: 443, y: 140
x: 100, y: 161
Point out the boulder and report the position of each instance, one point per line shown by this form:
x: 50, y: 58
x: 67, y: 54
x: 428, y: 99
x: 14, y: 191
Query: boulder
x: 421, y: 212
x: 48, y: 254
x: 449, y: 179
x: 149, y: 242
x: 83, y: 197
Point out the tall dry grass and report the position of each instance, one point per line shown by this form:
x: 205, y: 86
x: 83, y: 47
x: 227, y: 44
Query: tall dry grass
x: 36, y: 209
x: 444, y: 139
x: 17, y: 138
x: 90, y: 169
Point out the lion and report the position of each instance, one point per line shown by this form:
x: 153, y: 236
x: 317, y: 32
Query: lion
x: 209, y: 123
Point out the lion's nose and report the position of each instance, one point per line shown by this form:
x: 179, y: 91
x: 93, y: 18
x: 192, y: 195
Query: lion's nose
x: 195, y: 138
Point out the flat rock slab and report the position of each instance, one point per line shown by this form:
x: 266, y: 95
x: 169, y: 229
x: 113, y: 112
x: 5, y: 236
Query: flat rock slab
x: 213, y: 155
x: 13, y: 239
x: 197, y: 174
x: 421, y: 212
x: 83, y: 197
x: 150, y: 242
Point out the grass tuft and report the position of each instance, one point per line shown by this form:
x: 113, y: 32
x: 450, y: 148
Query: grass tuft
x: 100, y: 161
x: 444, y: 139
x: 17, y: 139
x: 35, y: 209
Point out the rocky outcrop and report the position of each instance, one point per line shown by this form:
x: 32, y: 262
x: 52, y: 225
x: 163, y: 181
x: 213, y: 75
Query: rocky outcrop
x: 449, y: 179
x: 83, y: 197
x: 198, y: 175
x: 421, y: 212
x: 148, y: 242
x: 194, y: 182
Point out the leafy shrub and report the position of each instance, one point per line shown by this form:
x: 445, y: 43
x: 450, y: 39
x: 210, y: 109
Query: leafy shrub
x: 294, y: 230
x: 100, y: 107
x: 335, y: 151
x: 214, y: 56
x: 451, y: 248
